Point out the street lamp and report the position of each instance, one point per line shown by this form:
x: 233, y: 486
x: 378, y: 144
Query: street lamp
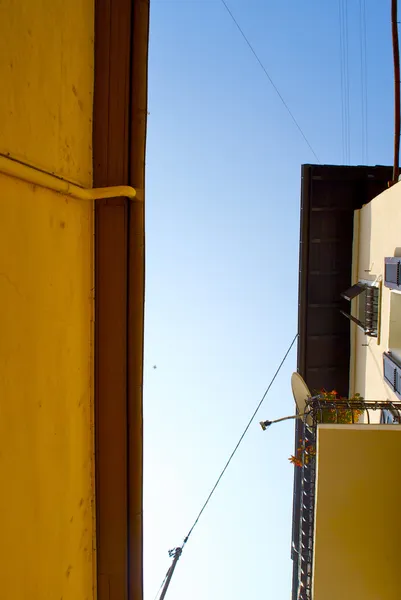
x: 302, y: 396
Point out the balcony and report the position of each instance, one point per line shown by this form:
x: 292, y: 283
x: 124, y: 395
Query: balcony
x: 366, y: 296
x: 347, y: 538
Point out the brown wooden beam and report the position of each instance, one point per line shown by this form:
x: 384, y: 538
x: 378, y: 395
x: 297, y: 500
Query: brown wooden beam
x: 136, y: 283
x: 111, y: 399
x: 120, y: 113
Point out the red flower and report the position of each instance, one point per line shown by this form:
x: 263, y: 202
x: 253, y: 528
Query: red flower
x: 295, y: 461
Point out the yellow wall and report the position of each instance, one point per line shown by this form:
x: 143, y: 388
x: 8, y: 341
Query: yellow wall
x: 46, y: 68
x: 357, y: 529
x: 46, y: 304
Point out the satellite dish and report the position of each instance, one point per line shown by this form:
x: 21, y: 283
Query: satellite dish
x: 301, y: 394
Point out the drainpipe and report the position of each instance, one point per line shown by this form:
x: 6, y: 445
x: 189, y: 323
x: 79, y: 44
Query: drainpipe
x: 18, y: 170
x: 396, y: 56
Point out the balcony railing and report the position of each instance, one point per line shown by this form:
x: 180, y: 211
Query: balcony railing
x: 368, y: 307
x: 316, y: 408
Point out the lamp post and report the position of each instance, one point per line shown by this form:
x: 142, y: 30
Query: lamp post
x: 265, y: 424
x: 175, y: 555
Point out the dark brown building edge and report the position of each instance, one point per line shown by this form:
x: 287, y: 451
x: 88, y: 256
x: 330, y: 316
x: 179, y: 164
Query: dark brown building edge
x: 119, y: 135
x: 329, y: 196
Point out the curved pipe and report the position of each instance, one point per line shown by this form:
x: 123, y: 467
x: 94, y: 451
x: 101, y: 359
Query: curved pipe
x: 18, y: 170
x: 396, y: 56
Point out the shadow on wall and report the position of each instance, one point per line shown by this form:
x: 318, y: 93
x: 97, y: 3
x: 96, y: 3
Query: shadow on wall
x: 397, y: 252
x: 365, y: 271
x: 365, y: 266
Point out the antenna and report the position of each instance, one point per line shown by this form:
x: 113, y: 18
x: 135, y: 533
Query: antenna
x: 302, y: 395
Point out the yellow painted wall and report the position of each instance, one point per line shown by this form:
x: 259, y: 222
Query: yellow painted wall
x: 46, y: 305
x: 357, y: 529
x: 46, y: 68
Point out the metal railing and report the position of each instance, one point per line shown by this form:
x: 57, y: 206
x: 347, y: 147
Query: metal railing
x: 372, y: 294
x: 320, y: 411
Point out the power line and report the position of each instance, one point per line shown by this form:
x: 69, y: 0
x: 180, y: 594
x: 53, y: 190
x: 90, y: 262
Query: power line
x: 342, y: 80
x: 176, y: 553
x: 397, y: 100
x: 241, y: 438
x: 344, y: 68
x: 162, y: 584
x: 364, y: 69
x: 347, y: 80
x: 366, y: 82
x: 252, y: 49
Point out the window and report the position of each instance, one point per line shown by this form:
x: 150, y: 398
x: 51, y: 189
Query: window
x: 392, y: 273
x: 389, y: 417
x: 364, y: 298
x: 392, y: 373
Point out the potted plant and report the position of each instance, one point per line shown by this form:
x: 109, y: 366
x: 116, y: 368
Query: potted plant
x: 333, y: 414
x: 343, y: 414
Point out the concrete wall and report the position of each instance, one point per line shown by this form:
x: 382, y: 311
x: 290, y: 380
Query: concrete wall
x: 46, y: 304
x: 377, y: 235
x: 357, y: 529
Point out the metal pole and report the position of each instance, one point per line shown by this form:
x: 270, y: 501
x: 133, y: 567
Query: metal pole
x: 396, y: 56
x: 177, y: 554
x: 287, y: 418
x: 265, y: 424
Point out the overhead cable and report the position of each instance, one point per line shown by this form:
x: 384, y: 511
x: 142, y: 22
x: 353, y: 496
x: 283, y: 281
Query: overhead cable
x: 176, y: 552
x: 265, y: 71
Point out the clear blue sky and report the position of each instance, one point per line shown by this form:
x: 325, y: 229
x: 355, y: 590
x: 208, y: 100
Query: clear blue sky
x: 223, y: 183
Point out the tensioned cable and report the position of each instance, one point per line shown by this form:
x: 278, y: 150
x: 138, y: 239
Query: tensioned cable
x: 347, y: 97
x: 240, y: 439
x: 363, y: 67
x: 344, y: 70
x: 165, y: 583
x: 340, y: 20
x: 366, y: 83
x: 161, y: 586
x: 252, y: 49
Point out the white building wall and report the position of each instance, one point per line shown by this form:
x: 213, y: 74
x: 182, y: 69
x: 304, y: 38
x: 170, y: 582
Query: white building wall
x: 377, y: 234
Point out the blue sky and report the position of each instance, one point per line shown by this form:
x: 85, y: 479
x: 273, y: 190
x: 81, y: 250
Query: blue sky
x: 223, y: 183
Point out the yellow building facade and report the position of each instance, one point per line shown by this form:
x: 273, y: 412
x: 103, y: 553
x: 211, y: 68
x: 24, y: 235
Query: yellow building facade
x: 347, y: 532
x: 376, y: 236
x: 357, y: 497
x: 50, y: 503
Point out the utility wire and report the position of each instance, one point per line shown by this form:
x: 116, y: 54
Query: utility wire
x: 344, y: 68
x: 366, y: 82
x: 397, y: 101
x: 362, y: 81
x: 252, y: 49
x: 162, y: 584
x: 347, y: 80
x: 240, y: 439
x: 342, y: 81
x: 176, y: 553
x: 363, y: 66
